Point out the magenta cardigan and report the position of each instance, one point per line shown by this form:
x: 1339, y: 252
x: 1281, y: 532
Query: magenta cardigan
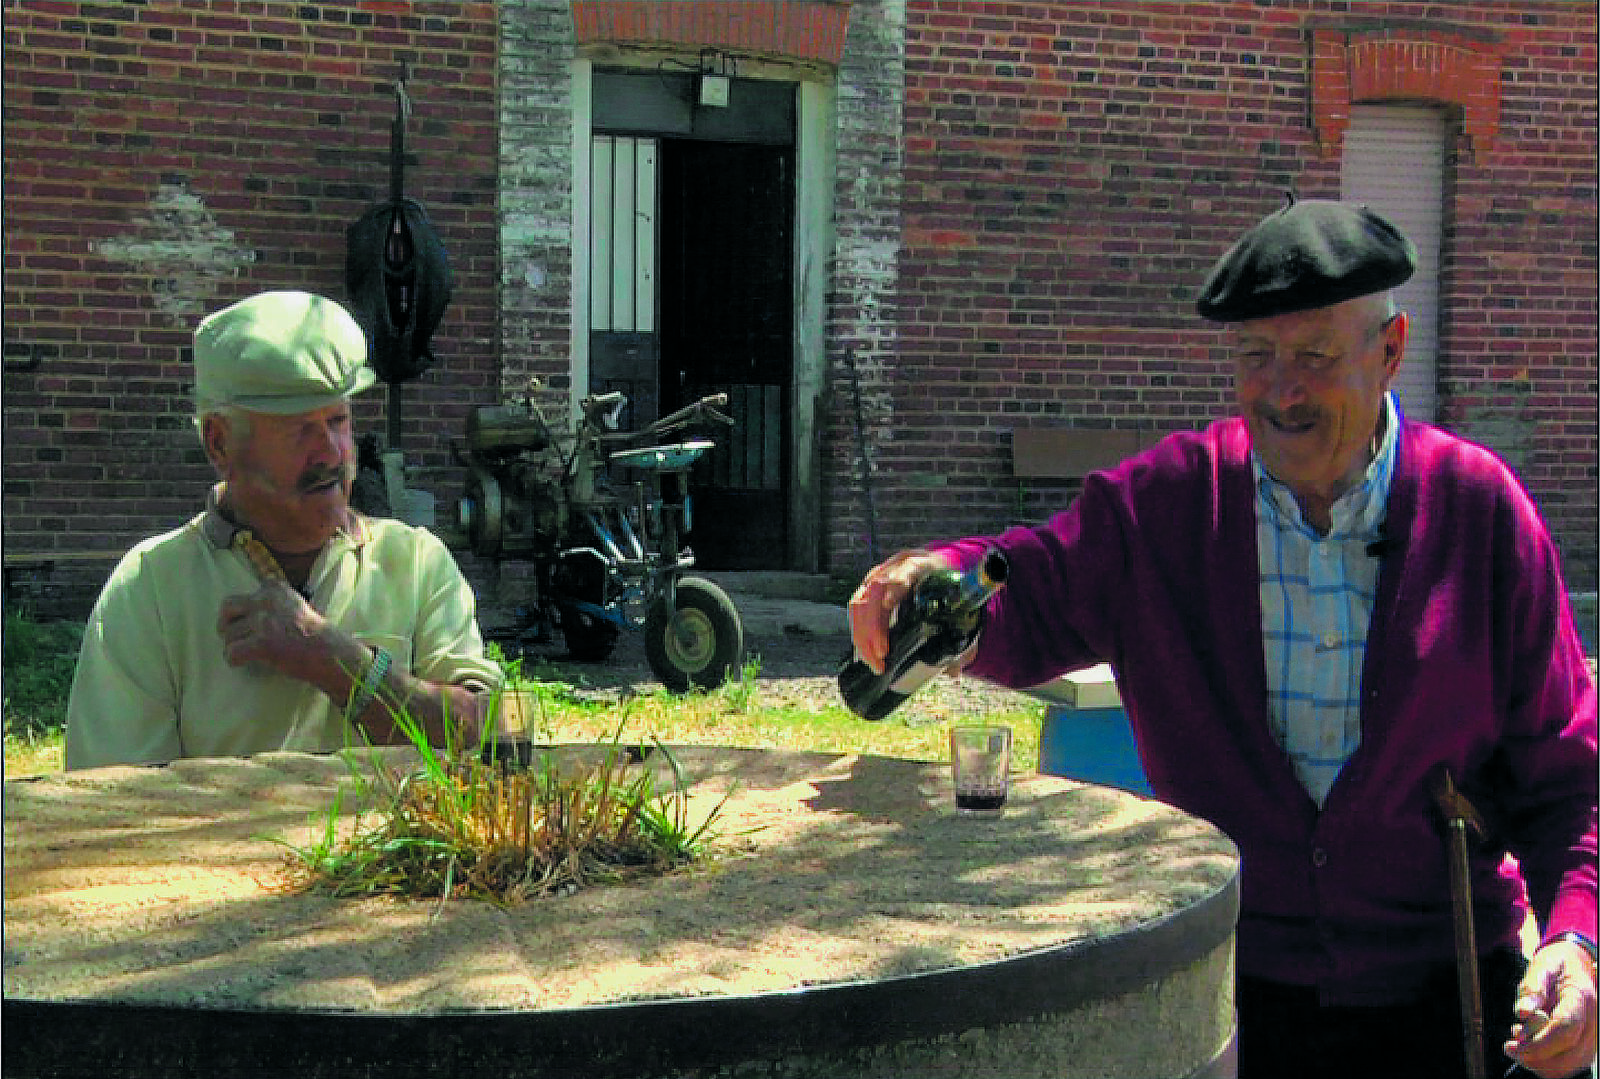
x: 1473, y: 662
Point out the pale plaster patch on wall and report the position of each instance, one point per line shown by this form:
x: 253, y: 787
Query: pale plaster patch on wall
x: 867, y: 250
x: 181, y: 245
x: 537, y: 114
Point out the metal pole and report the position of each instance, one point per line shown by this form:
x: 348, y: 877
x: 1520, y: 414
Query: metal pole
x: 1459, y: 817
x: 397, y: 189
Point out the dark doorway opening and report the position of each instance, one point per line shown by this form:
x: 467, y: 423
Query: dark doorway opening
x: 726, y: 243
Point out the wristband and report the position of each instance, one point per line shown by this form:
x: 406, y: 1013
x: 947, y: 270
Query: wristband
x: 371, y: 682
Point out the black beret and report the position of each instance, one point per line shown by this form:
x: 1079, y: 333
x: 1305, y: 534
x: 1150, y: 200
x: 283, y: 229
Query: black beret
x: 1312, y: 253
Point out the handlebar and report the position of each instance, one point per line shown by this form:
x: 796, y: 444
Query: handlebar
x: 601, y: 409
x: 704, y: 409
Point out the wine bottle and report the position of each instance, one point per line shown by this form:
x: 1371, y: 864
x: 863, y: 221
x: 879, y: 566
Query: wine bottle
x: 937, y: 622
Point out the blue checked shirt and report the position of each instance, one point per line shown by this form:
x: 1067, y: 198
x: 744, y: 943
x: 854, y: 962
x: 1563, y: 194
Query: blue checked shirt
x: 1316, y: 603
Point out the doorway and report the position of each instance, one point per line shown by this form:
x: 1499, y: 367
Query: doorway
x: 692, y: 248
x: 727, y: 299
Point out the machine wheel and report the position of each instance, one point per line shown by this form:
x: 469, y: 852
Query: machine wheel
x: 482, y: 515
x: 589, y: 637
x: 700, y: 643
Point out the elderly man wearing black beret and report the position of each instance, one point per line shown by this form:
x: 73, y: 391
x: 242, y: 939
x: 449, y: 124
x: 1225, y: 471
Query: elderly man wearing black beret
x: 1315, y: 610
x: 278, y: 618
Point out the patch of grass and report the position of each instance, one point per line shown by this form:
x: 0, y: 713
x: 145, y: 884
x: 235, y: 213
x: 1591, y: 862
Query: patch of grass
x: 38, y: 661
x: 463, y: 825
x: 739, y: 693
x: 31, y: 755
x: 39, y: 658
x: 740, y: 713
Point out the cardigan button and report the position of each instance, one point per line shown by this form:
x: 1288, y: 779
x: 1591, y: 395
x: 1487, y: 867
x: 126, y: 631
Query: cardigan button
x: 1319, y: 857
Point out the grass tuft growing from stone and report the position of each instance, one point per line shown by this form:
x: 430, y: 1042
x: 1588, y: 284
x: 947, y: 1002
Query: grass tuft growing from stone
x: 479, y: 824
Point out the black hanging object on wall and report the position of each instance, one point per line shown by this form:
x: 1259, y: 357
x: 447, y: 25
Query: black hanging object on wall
x: 399, y: 280
x: 398, y: 275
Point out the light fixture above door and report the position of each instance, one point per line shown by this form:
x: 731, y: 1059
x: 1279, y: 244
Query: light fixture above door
x: 714, y: 82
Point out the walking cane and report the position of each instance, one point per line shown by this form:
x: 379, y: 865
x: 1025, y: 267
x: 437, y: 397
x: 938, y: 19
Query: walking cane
x: 1460, y: 818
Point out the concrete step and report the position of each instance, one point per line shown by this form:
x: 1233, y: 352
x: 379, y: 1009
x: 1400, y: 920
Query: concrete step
x: 766, y: 616
x: 772, y: 603
x: 774, y: 584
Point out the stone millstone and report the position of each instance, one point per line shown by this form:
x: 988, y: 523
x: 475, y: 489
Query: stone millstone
x: 839, y: 875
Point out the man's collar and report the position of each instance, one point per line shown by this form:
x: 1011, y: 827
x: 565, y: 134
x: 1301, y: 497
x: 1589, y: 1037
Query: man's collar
x: 215, y: 524
x: 220, y: 529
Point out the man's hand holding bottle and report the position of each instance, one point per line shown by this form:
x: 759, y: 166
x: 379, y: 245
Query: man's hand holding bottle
x: 913, y: 616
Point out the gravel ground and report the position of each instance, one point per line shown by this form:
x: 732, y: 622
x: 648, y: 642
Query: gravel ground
x: 797, y: 670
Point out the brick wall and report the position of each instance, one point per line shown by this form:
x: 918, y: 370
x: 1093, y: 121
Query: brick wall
x: 1072, y: 171
x: 1026, y: 197
x: 807, y: 30
x: 164, y: 160
x: 1518, y: 339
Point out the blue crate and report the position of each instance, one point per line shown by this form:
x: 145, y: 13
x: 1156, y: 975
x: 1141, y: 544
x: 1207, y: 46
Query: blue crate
x: 1085, y: 733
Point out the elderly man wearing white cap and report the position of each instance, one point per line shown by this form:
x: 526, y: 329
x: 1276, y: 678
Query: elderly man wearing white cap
x: 1315, y: 609
x: 278, y: 618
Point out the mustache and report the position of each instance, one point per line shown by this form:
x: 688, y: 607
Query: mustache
x: 315, y: 477
x: 1293, y: 417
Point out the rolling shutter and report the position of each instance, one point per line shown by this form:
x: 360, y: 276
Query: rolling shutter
x: 1394, y: 163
